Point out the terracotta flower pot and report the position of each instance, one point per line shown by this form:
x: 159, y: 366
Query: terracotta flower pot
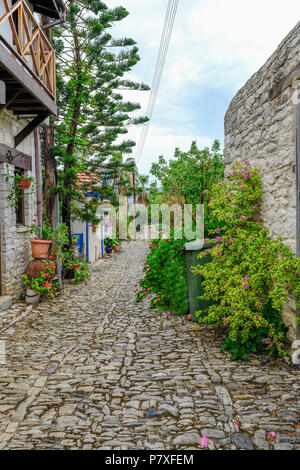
x: 118, y: 247
x: 37, y: 267
x: 40, y: 248
x: 24, y: 183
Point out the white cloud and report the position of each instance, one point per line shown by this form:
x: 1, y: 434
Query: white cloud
x: 163, y: 141
x: 215, y: 47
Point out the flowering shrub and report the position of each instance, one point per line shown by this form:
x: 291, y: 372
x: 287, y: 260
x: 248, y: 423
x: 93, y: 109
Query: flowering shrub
x: 43, y: 284
x: 80, y: 272
x: 77, y: 269
x: 45, y: 233
x: 249, y: 275
x: 165, y: 276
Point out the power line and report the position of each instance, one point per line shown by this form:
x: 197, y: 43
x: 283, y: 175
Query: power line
x: 165, y: 39
x: 160, y: 63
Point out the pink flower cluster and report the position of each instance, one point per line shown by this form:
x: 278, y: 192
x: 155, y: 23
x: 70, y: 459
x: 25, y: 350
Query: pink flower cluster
x: 268, y: 341
x: 204, y: 441
x: 245, y: 279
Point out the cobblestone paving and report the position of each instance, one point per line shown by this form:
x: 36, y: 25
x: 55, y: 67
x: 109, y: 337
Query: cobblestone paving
x: 95, y: 370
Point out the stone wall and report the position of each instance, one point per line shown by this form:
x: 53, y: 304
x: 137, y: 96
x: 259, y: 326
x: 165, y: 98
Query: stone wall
x: 263, y: 131
x: 15, y: 245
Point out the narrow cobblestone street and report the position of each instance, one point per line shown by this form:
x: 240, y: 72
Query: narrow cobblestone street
x: 83, y: 371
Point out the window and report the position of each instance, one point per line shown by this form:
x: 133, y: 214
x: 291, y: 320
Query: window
x: 20, y: 212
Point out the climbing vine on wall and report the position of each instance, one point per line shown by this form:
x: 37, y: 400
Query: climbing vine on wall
x: 250, y: 275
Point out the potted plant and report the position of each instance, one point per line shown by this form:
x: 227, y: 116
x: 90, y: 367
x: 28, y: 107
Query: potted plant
x: 42, y: 284
x: 25, y: 182
x: 41, y: 244
x: 117, y: 246
x: 19, y: 184
x: 109, y: 245
x: 73, y: 267
x: 81, y: 272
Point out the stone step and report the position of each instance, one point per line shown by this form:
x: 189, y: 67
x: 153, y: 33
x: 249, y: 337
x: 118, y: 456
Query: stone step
x: 5, y: 302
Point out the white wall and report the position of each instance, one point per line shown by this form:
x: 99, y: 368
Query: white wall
x: 94, y: 240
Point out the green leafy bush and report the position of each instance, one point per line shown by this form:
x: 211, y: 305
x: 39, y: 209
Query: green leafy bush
x: 165, y: 276
x: 250, y: 274
x: 185, y: 179
x: 81, y: 272
x: 110, y: 242
x: 73, y: 267
x: 189, y: 176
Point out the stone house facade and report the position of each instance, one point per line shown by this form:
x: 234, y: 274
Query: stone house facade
x: 27, y: 98
x: 15, y: 251
x: 262, y: 125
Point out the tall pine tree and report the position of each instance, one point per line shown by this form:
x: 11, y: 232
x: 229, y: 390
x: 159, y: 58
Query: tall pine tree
x: 91, y: 74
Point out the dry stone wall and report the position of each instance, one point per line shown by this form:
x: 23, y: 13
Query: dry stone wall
x: 14, y: 240
x: 263, y: 131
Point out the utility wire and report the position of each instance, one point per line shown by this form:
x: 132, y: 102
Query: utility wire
x: 160, y: 63
x: 162, y: 55
x: 168, y: 25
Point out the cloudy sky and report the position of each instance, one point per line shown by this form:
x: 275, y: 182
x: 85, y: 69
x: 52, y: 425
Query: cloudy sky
x: 216, y: 45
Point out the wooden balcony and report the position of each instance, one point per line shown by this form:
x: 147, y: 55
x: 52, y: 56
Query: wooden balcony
x: 27, y: 65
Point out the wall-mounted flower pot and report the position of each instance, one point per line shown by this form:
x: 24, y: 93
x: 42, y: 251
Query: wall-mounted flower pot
x: 108, y: 250
x: 40, y: 248
x: 31, y: 296
x: 117, y: 247
x: 24, y: 183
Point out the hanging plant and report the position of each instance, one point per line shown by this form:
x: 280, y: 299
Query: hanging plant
x: 25, y: 182
x: 20, y: 186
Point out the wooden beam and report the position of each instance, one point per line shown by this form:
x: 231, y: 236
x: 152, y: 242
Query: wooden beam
x: 27, y: 109
x: 9, y: 11
x: 26, y: 100
x: 15, y: 157
x: 284, y: 83
x: 10, y: 100
x: 29, y: 82
x: 48, y: 8
x: 30, y: 127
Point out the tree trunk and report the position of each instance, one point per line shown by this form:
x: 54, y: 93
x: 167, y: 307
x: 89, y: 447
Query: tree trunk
x: 50, y: 177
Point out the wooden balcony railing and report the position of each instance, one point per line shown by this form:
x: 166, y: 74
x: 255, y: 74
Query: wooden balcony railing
x: 27, y: 42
